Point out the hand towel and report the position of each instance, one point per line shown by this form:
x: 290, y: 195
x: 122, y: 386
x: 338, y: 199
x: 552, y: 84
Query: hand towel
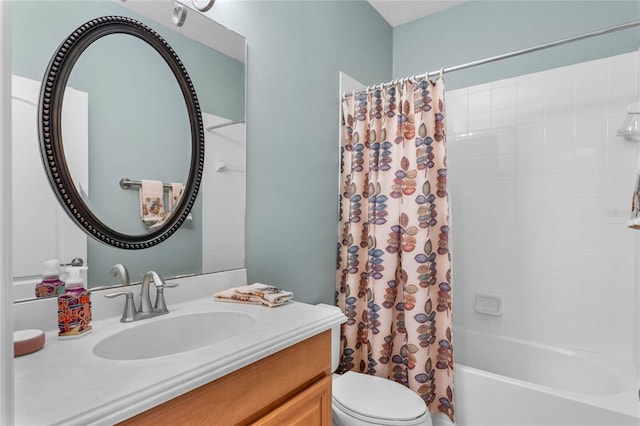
x: 151, y: 201
x: 255, y: 294
x: 634, y: 222
x: 175, y: 192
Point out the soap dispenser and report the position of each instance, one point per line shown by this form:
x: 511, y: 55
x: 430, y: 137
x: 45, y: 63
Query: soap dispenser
x: 74, y: 306
x: 51, y: 284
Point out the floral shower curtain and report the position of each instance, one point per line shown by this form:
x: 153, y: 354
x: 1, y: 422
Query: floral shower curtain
x: 394, y: 265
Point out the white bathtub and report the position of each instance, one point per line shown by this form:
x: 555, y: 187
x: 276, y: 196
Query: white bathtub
x: 505, y: 381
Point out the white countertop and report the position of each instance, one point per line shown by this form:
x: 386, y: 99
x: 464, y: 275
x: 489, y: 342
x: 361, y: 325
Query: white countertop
x: 65, y: 383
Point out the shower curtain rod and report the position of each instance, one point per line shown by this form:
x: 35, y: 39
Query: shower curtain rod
x: 505, y: 55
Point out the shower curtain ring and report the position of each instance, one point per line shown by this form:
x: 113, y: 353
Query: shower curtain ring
x: 441, y: 73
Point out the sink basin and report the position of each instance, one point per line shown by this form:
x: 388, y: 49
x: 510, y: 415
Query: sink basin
x: 172, y: 335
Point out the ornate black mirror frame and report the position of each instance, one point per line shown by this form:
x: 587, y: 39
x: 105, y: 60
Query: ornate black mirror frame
x: 50, y: 131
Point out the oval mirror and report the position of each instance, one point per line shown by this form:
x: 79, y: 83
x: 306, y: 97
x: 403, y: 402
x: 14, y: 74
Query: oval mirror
x: 186, y: 127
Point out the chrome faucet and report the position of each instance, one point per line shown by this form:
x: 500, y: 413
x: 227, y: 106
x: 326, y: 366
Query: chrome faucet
x: 145, y: 309
x: 159, y: 307
x: 122, y: 270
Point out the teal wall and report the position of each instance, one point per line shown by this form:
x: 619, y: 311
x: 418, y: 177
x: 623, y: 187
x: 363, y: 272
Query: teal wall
x: 126, y: 126
x: 481, y: 29
x: 295, y: 51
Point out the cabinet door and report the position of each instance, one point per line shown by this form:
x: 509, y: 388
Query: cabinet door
x: 253, y: 392
x: 311, y: 407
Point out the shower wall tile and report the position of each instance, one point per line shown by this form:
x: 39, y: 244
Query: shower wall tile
x: 617, y: 209
x: 558, y: 161
x: 540, y: 190
x: 505, y: 141
x: 588, y: 184
x: 456, y: 102
x: 531, y: 186
x: 530, y: 114
x: 529, y: 163
x: 623, y: 83
x: 480, y: 122
x: 588, y: 82
x: 619, y: 183
x: 456, y: 125
x: 504, y: 96
x: 479, y: 102
x: 591, y: 133
x: 560, y: 86
x: 530, y: 92
x: 558, y: 135
x: 621, y: 157
x: 617, y: 238
x: 588, y: 159
x: 503, y: 118
x: 530, y: 138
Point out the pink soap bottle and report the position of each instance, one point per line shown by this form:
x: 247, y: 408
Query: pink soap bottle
x: 51, y: 284
x: 74, y: 306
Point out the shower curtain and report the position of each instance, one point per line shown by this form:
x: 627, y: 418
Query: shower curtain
x: 394, y: 265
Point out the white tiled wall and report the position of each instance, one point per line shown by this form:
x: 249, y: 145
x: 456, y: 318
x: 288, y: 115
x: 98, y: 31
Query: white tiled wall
x: 541, y: 190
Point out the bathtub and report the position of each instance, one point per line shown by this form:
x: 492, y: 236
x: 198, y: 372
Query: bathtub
x: 506, y: 381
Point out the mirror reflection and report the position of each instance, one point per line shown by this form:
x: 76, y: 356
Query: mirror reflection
x: 138, y: 128
x: 120, y: 86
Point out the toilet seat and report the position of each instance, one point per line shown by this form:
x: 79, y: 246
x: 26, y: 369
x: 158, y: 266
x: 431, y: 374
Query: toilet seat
x: 377, y: 400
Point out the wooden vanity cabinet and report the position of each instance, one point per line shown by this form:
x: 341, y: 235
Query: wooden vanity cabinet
x: 290, y: 387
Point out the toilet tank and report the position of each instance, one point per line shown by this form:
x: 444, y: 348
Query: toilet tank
x: 335, y: 339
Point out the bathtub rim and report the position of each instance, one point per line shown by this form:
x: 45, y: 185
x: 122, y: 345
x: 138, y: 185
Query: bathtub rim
x: 625, y: 402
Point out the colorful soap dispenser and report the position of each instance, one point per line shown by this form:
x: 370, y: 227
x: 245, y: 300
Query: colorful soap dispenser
x: 51, y: 284
x: 74, y: 306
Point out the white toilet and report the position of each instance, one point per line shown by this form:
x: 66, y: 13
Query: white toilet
x: 361, y: 399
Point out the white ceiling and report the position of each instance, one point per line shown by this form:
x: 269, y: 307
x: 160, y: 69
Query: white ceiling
x: 398, y: 12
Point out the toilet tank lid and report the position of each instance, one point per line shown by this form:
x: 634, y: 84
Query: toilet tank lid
x: 377, y: 397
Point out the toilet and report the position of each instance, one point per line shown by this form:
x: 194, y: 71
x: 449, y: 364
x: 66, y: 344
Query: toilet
x: 361, y: 399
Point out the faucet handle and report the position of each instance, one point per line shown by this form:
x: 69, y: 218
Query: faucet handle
x: 167, y: 285
x: 129, y: 313
x: 160, y: 307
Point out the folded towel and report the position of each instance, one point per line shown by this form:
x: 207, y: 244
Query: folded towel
x: 256, y: 294
x: 151, y: 201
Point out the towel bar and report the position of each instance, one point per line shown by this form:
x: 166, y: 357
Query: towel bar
x: 126, y: 183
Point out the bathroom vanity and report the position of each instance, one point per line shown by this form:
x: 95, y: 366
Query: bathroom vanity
x: 276, y: 368
x: 292, y: 386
